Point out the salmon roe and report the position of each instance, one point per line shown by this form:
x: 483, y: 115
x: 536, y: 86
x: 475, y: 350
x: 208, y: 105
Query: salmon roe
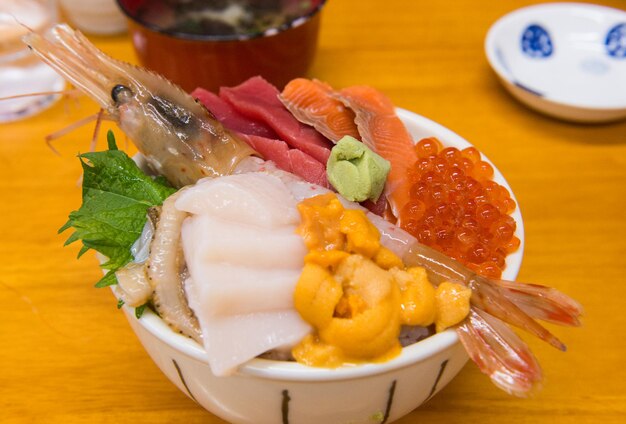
x: 456, y: 207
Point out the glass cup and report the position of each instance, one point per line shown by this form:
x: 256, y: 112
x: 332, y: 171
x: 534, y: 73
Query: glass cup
x: 97, y: 17
x: 21, y: 72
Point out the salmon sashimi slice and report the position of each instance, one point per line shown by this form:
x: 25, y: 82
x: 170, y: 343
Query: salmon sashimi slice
x: 382, y: 131
x: 312, y: 103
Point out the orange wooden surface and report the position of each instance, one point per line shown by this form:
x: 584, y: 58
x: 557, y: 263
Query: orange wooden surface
x: 68, y: 356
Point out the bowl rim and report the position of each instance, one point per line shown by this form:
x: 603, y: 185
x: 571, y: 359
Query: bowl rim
x: 293, y: 23
x: 491, y: 51
x: 410, y: 355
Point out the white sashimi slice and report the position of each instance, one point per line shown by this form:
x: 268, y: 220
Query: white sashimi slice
x: 232, y: 290
x: 299, y: 188
x: 259, y: 199
x: 255, y: 334
x: 244, y: 259
x: 209, y: 239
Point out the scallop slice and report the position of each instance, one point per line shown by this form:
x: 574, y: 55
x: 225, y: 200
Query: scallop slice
x: 258, y: 199
x: 207, y: 239
x: 244, y: 260
x: 255, y: 334
x: 232, y: 290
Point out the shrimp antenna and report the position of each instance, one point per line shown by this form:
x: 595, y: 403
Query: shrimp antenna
x: 97, y: 117
x: 73, y: 92
x: 96, y: 130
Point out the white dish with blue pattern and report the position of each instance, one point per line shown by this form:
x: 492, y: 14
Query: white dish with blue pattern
x: 567, y: 60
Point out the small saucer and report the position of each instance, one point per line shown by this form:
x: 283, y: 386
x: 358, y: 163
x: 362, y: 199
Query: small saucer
x: 566, y: 60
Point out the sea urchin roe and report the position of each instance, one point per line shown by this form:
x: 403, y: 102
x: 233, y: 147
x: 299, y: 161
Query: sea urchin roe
x: 357, y: 294
x: 456, y: 208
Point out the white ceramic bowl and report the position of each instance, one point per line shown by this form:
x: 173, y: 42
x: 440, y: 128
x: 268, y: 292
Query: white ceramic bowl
x: 267, y: 391
x: 567, y: 60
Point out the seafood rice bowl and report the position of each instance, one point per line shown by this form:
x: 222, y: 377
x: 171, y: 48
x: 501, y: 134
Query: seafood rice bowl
x: 304, y: 256
x: 270, y: 391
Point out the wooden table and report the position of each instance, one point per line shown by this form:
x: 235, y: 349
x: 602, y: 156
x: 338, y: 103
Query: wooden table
x: 68, y: 356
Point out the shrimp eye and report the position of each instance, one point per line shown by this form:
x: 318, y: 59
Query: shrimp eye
x: 120, y: 93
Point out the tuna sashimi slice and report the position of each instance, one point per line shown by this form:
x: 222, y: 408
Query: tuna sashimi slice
x: 290, y: 160
x: 229, y: 117
x: 383, y: 132
x: 258, y: 99
x: 312, y: 103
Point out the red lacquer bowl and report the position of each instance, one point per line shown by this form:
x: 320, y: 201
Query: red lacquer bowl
x: 211, y: 61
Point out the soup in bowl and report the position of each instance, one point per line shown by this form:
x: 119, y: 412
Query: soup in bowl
x: 222, y: 43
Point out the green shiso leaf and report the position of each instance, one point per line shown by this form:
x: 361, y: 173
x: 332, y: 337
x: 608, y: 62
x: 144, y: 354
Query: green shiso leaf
x: 111, y: 140
x: 106, y: 281
x: 116, y: 197
x: 139, y: 310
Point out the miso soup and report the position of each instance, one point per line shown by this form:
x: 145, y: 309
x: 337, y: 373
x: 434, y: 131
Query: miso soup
x: 221, y: 18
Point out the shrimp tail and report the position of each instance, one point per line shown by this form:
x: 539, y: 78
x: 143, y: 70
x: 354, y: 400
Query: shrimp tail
x: 491, y: 344
x: 515, y: 303
x: 543, y: 303
x: 492, y: 298
x: 500, y: 353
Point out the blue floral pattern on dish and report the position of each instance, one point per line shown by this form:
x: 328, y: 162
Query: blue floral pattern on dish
x: 536, y: 42
x: 616, y: 41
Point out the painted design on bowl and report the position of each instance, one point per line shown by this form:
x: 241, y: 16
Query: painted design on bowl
x: 536, y: 42
x: 594, y: 66
x: 615, y: 41
x: 502, y: 60
x: 182, y: 380
x: 381, y: 416
x: 442, y: 368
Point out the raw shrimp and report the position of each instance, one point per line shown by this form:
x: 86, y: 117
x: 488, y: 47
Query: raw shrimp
x: 179, y: 137
x: 497, y: 350
x: 182, y: 142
